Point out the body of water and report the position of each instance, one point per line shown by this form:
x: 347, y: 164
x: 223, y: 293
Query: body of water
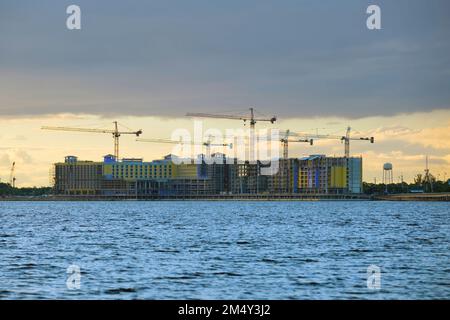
x: 223, y: 250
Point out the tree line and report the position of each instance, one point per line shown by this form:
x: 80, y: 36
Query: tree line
x: 422, y: 183
x: 7, y: 190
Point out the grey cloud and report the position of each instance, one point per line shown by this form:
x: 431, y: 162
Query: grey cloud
x: 294, y: 58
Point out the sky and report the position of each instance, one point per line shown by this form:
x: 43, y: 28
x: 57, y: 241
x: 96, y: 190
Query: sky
x: 313, y: 64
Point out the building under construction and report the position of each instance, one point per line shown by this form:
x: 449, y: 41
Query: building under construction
x: 316, y: 174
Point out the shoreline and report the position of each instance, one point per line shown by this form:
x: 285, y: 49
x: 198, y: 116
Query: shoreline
x: 303, y: 197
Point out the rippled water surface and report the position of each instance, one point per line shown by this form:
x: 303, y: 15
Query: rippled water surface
x: 224, y: 250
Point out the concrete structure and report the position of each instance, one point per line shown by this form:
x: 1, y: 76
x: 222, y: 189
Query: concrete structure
x: 74, y: 177
x: 316, y: 174
x: 111, y: 177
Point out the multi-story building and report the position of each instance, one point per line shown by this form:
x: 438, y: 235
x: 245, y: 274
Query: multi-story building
x: 316, y: 174
x: 329, y: 175
x: 284, y: 177
x: 74, y: 177
x: 125, y: 177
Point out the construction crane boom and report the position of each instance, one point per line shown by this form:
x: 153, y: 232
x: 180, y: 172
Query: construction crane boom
x: 231, y: 117
x: 346, y: 139
x: 115, y: 133
x: 208, y: 144
x: 285, y: 142
x: 78, y: 129
x: 251, y: 118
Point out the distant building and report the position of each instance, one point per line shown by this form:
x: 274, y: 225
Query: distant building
x: 74, y: 177
x: 316, y: 174
x: 115, y: 178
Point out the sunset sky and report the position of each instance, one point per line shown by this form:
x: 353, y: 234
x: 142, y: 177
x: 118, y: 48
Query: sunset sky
x: 314, y: 64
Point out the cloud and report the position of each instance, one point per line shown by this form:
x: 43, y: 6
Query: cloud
x: 438, y: 138
x: 393, y: 131
x: 434, y: 137
x: 24, y: 156
x: 404, y: 164
x: 295, y: 58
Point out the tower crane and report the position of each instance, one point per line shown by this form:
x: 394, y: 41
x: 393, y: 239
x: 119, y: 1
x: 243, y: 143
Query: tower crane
x: 284, y: 164
x: 310, y: 138
x: 12, y: 178
x: 251, y: 118
x: 285, y: 142
x: 208, y: 144
x: 346, y: 139
x: 115, y: 133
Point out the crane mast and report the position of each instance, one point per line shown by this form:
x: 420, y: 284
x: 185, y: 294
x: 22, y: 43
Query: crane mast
x: 251, y: 118
x: 285, y: 142
x: 116, y: 136
x: 12, y: 178
x: 347, y: 143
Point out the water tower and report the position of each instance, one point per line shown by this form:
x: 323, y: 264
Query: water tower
x: 388, y: 177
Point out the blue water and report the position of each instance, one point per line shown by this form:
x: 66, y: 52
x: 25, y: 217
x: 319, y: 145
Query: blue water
x: 224, y: 250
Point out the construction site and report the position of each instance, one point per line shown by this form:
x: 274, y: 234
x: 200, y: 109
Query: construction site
x: 314, y: 175
x: 211, y: 175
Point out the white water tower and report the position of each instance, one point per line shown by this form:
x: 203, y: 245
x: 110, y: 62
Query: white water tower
x: 388, y: 177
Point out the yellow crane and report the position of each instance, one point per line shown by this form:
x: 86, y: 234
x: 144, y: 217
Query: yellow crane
x: 346, y: 139
x: 288, y: 137
x: 208, y: 144
x: 285, y: 142
x: 115, y: 133
x: 251, y: 118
